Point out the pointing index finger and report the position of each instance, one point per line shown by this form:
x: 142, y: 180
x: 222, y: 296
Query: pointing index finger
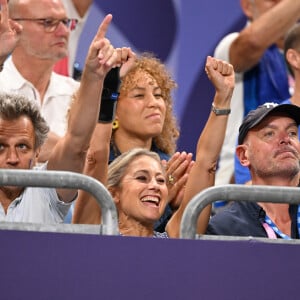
x: 4, y: 11
x: 103, y: 27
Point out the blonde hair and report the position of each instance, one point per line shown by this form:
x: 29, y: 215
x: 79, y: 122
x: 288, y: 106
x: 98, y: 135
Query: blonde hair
x: 146, y: 62
x: 118, y: 167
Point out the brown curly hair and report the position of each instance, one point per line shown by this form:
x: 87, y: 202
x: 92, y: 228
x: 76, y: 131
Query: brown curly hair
x: 147, y: 62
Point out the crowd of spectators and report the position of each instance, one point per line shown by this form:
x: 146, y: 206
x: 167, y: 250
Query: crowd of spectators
x: 115, y: 122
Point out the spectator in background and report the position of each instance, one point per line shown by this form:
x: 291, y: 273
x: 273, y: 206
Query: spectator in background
x: 9, y: 33
x: 29, y: 70
x: 138, y: 181
x: 292, y: 57
x: 23, y: 131
x: 79, y: 10
x: 144, y: 119
x: 256, y: 54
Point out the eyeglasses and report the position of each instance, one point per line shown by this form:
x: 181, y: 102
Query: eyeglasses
x: 50, y: 25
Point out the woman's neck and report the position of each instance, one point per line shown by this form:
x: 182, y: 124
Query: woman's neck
x: 130, y: 227
x: 124, y: 143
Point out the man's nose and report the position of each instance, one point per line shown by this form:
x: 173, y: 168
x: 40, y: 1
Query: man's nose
x: 285, y: 138
x: 12, y: 156
x: 61, y: 28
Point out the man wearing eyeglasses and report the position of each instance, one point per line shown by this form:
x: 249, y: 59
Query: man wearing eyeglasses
x: 29, y: 69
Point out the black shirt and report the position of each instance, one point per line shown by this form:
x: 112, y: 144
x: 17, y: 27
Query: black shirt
x: 245, y: 219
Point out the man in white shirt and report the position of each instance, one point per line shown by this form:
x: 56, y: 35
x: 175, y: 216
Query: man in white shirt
x: 29, y: 70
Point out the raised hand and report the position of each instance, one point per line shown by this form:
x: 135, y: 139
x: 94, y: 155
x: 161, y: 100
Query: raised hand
x: 221, y: 74
x: 126, y: 60
x: 9, y: 32
x: 101, y: 55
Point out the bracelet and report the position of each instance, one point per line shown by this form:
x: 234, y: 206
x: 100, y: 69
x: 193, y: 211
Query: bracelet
x: 1, y: 67
x: 220, y: 112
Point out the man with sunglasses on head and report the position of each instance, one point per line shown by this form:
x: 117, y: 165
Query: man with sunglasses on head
x: 29, y: 70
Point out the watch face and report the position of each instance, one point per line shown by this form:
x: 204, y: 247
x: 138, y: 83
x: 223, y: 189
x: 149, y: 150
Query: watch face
x: 219, y: 112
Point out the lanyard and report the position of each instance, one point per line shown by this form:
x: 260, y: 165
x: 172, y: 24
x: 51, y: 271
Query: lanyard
x: 271, y: 228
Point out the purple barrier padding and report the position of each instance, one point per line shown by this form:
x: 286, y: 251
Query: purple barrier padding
x: 72, y: 266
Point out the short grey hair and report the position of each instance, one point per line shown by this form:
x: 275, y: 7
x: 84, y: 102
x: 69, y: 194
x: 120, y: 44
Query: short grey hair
x: 117, y: 169
x: 13, y: 106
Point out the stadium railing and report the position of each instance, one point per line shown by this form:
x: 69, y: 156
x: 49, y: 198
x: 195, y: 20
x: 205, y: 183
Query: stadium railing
x: 67, y: 180
x: 234, y: 192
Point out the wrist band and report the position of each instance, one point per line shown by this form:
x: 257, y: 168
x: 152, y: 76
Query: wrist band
x: 220, y: 112
x: 108, y: 108
x: 109, y: 96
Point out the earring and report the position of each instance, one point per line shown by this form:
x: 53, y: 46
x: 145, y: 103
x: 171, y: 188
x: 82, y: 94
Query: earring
x: 115, y: 124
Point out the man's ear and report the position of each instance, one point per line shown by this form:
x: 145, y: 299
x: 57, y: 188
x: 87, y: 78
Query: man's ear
x: 247, y: 8
x: 293, y: 58
x: 242, y: 154
x: 37, y: 152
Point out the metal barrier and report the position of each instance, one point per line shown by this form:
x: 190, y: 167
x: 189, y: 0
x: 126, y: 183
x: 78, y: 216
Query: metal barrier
x: 66, y: 180
x: 233, y: 192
